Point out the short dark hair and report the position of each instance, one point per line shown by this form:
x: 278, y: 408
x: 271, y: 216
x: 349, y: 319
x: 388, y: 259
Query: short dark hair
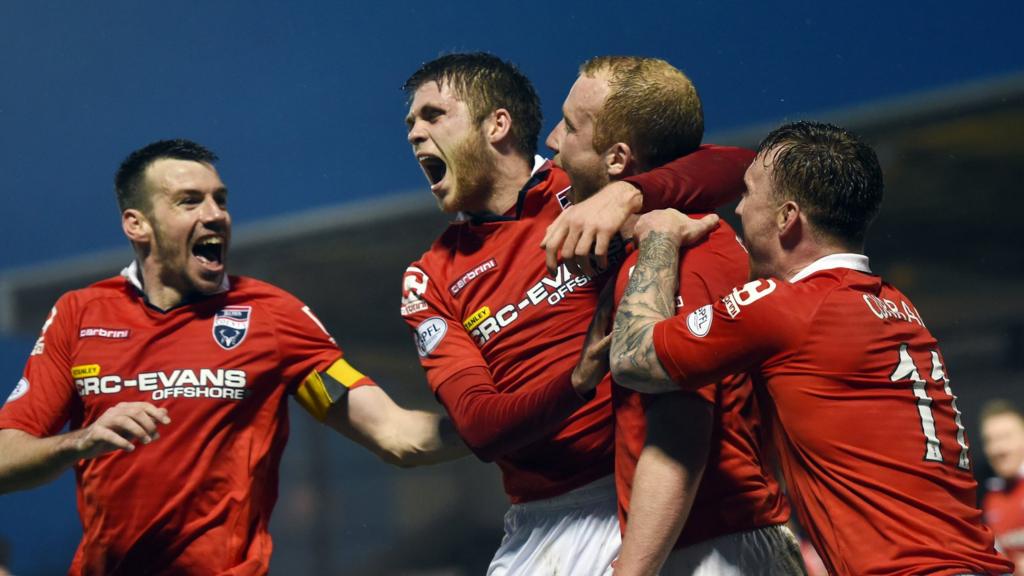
x: 651, y: 105
x: 128, y: 182
x: 1000, y: 407
x: 486, y: 83
x: 831, y: 173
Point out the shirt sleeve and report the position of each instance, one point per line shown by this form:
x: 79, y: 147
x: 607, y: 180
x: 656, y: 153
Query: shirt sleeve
x: 492, y: 423
x: 693, y: 294
x: 42, y: 401
x: 706, y: 179
x: 735, y: 334
x: 489, y: 421
x: 444, y: 347
x: 304, y: 345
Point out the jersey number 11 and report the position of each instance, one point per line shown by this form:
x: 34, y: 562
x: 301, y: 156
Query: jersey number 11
x: 906, y: 370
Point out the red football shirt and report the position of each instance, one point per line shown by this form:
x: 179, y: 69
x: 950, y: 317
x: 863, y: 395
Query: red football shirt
x: 198, y: 499
x: 1003, y: 508
x: 738, y: 491
x: 871, y: 442
x: 481, y: 302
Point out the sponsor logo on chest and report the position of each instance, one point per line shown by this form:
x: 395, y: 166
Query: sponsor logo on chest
x: 112, y: 333
x: 230, y: 325
x: 473, y: 274
x: 216, y: 383
x: 545, y: 293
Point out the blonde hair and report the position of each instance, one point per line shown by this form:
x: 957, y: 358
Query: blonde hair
x: 651, y: 106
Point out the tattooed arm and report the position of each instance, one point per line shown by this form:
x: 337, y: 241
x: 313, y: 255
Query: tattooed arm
x: 650, y: 298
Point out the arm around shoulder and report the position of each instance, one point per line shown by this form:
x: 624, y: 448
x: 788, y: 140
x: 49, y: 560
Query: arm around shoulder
x: 701, y: 181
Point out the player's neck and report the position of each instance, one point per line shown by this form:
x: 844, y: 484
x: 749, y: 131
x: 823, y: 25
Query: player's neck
x: 806, y: 254
x: 511, y: 174
x: 158, y: 293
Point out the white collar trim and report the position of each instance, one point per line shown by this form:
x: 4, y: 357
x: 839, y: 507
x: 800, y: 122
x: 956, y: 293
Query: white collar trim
x: 858, y: 262
x: 538, y: 161
x: 133, y: 274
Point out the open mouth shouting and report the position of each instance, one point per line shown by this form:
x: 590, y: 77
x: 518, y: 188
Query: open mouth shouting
x: 435, y: 169
x: 210, y: 251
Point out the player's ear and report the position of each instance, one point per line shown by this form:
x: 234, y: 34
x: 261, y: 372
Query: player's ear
x: 787, y: 218
x: 136, y: 226
x: 619, y: 161
x: 498, y: 125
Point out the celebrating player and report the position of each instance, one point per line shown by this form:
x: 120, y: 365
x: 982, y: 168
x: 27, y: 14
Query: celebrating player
x: 501, y: 340
x: 871, y: 441
x: 1002, y: 438
x: 173, y: 377
x: 736, y: 523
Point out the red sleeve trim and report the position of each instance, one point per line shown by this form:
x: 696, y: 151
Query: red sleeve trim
x: 364, y: 381
x: 493, y: 423
x: 664, y: 352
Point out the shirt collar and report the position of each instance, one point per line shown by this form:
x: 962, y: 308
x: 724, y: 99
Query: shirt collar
x: 541, y: 167
x: 858, y: 262
x: 133, y: 274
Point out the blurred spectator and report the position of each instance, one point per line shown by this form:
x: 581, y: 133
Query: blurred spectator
x: 5, y: 557
x: 1002, y: 433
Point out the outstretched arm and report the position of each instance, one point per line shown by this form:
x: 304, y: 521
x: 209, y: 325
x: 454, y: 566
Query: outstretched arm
x: 650, y: 298
x: 398, y: 436
x: 27, y: 461
x: 349, y: 402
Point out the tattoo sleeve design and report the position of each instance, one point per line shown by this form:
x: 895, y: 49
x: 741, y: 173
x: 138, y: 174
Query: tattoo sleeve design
x: 649, y: 298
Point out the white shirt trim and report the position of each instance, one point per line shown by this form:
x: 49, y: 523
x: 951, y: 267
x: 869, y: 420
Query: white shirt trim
x: 858, y: 262
x: 133, y: 274
x: 538, y: 161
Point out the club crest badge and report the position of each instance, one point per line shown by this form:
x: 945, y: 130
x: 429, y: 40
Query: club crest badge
x: 230, y: 325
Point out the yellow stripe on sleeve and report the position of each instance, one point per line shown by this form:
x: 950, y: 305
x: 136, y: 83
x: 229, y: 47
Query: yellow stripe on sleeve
x: 321, y: 390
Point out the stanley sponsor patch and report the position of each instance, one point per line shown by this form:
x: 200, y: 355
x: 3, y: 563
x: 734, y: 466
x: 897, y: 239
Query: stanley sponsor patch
x: 476, y: 318
x: 85, y: 370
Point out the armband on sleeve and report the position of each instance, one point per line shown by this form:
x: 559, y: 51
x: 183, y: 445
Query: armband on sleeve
x: 321, y: 390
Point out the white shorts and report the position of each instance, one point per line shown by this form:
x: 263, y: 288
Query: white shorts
x: 768, y: 551
x: 575, y: 534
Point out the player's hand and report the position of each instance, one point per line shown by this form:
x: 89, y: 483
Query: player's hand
x: 119, y: 428
x: 679, y: 227
x: 593, y: 363
x: 586, y: 229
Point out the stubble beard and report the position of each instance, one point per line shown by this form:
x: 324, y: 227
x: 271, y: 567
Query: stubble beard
x: 174, y: 262
x: 475, y: 175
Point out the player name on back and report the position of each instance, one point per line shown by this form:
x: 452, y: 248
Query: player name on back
x: 886, y: 309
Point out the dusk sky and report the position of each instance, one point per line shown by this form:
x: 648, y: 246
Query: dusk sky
x: 302, y: 100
